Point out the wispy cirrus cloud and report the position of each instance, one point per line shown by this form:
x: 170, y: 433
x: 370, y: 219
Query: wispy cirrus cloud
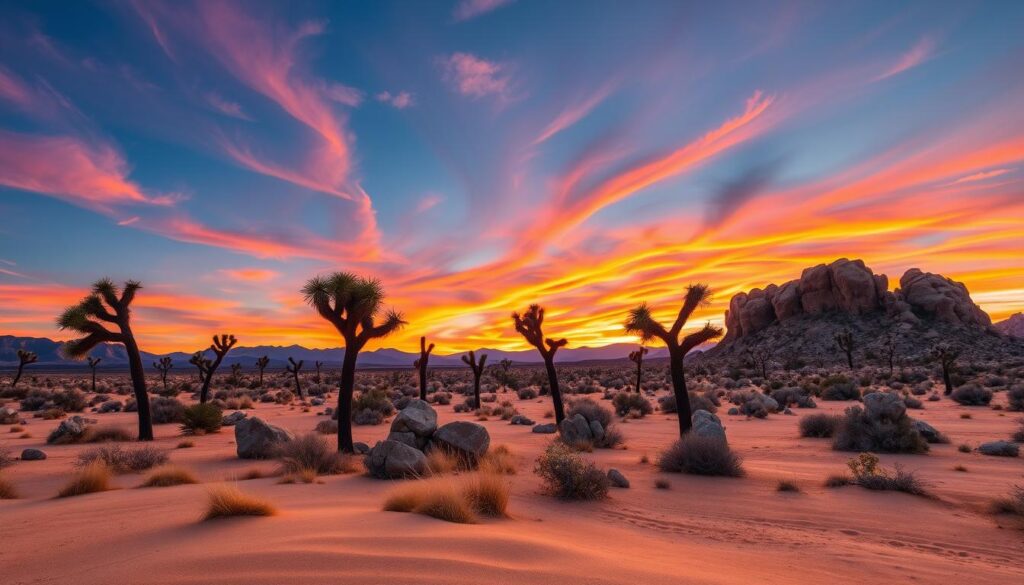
x: 922, y: 51
x: 249, y: 274
x: 226, y: 107
x: 399, y: 101
x: 469, y: 9
x: 573, y: 114
x: 476, y: 77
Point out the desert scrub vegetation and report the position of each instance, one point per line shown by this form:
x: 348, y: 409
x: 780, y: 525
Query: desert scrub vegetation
x: 631, y: 404
x: 859, y: 431
x: 6, y: 459
x: 200, y: 419
x: 972, y: 395
x: 820, y: 426
x: 169, y: 475
x: 460, y: 499
x: 566, y: 475
x: 226, y: 501
x: 869, y: 474
x: 1012, y: 504
x: 92, y: 478
x: 95, y: 434
x: 121, y: 460
x: 499, y: 460
x: 701, y: 456
x: 839, y: 387
x: 7, y: 490
x: 311, y: 453
x: 1015, y: 397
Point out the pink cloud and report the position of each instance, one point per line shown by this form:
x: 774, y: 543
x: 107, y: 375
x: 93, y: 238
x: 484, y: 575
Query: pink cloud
x: 226, y: 107
x: 249, y: 274
x: 573, y: 114
x: 918, y: 54
x: 429, y: 201
x: 982, y: 176
x: 469, y: 9
x: 475, y: 77
x: 400, y: 100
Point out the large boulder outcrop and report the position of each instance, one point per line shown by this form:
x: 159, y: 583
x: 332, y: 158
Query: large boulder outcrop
x: 941, y: 298
x: 464, y: 439
x: 414, y: 425
x: 393, y: 460
x: 255, y: 439
x: 70, y: 430
x: 707, y: 425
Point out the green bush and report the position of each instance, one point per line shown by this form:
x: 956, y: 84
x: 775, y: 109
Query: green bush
x: 200, y: 419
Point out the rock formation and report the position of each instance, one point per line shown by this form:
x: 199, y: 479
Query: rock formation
x: 1013, y: 327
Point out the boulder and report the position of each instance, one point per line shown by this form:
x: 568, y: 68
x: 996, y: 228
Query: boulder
x: 854, y: 287
x: 417, y: 417
x: 941, y: 298
x: 69, y: 430
x: 360, y: 448
x: 521, y: 420
x: 8, y: 416
x: 617, y: 479
x: 576, y: 430
x: 545, y: 429
x: 706, y: 424
x: 465, y: 439
x: 999, y: 449
x: 394, y: 460
x: 596, y: 430
x: 33, y: 455
x: 786, y: 301
x: 255, y: 439
x: 884, y: 406
x: 927, y: 431
x: 816, y: 294
x: 232, y: 419
x: 406, y: 438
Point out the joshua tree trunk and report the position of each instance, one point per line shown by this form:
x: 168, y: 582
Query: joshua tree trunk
x: 298, y: 385
x: 94, y: 379
x: 849, y: 359
x: 556, y: 394
x: 947, y: 379
x: 639, y: 375
x: 423, y: 379
x: 138, y: 384
x: 347, y: 388
x: 679, y: 389
x: 21, y: 367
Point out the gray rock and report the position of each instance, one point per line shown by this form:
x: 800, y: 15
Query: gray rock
x: 360, y: 448
x: 406, y: 438
x: 884, y: 406
x: 110, y: 406
x: 596, y: 430
x: 255, y: 439
x: 33, y: 455
x: 316, y: 401
x: 706, y: 424
x: 394, y: 460
x: 417, y: 417
x: 576, y: 429
x: 232, y: 419
x: 545, y: 429
x: 521, y: 420
x: 733, y: 411
x: 464, y: 439
x: 617, y: 479
x: 8, y: 416
x: 789, y: 412
x: 999, y: 449
x: 927, y: 431
x: 69, y: 430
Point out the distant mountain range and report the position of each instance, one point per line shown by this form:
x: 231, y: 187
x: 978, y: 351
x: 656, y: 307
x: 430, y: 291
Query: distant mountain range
x: 113, y: 355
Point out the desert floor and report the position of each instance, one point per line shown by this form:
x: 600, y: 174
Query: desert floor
x: 701, y: 530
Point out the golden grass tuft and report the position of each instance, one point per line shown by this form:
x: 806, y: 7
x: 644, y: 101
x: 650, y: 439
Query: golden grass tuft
x: 226, y: 501
x: 487, y: 493
x: 452, y: 499
x: 300, y: 475
x: 441, y: 462
x: 499, y: 460
x: 7, y: 491
x: 186, y: 444
x: 92, y: 478
x: 169, y: 475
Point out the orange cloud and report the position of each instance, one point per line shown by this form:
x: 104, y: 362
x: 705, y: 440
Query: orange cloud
x: 918, y: 54
x: 250, y: 274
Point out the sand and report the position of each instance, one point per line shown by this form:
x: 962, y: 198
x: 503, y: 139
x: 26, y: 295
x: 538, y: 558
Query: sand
x: 701, y: 530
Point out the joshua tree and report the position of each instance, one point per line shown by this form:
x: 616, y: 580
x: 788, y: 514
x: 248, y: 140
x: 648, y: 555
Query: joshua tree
x: 352, y: 304
x: 642, y: 323
x: 107, y: 304
x: 163, y: 366
x: 637, y: 357
x: 421, y: 365
x: 761, y: 358
x: 529, y: 326
x: 24, y: 358
x: 844, y: 341
x: 236, y: 374
x: 318, y: 365
x: 93, y: 362
x: 889, y: 349
x: 293, y: 369
x: 506, y: 365
x: 261, y: 364
x: 221, y: 345
x: 478, y: 370
x: 946, y: 355
x: 202, y: 363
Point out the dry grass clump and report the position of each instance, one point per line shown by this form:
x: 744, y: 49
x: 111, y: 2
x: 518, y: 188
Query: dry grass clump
x: 92, y: 478
x: 302, y: 475
x: 441, y: 462
x: 106, y: 434
x: 186, y: 444
x: 1018, y: 436
x: 499, y: 460
x: 821, y: 426
x: 662, y: 484
x: 169, y: 475
x: 6, y: 459
x: 122, y: 460
x: 787, y: 486
x: 1012, y: 504
x: 312, y: 453
x: 567, y: 476
x: 7, y: 491
x: 226, y: 501
x: 701, y: 456
x: 452, y: 499
x: 868, y: 474
x: 837, y: 480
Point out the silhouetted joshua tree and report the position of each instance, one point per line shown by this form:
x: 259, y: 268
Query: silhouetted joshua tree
x: 318, y: 365
x: 221, y: 345
x: 107, y: 304
x: 761, y: 358
x: 236, y: 374
x: 261, y: 364
x: 506, y: 365
x: 351, y: 303
x: 946, y: 355
x: 642, y: 323
x: 163, y: 366
x: 293, y: 369
x: 93, y: 362
x: 637, y: 357
x: 202, y: 363
x: 844, y: 341
x: 421, y: 365
x: 529, y: 326
x: 24, y: 358
x: 478, y: 370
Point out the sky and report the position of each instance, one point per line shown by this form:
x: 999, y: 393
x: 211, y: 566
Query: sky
x: 478, y: 156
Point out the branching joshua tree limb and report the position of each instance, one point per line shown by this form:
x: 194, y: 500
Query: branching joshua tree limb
x: 529, y: 326
x: 93, y: 363
x: 506, y: 365
x: 202, y: 363
x: 261, y: 364
x: 478, y: 370
x: 24, y: 358
x: 421, y: 365
x: 293, y: 369
x: 946, y: 355
x: 163, y: 366
x: 844, y: 341
x: 108, y: 305
x: 637, y: 357
x: 641, y: 322
x: 352, y: 304
x: 761, y: 358
x: 221, y: 345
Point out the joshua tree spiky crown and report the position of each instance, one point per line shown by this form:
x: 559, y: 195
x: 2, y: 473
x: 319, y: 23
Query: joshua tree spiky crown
x: 203, y: 363
x: 262, y: 363
x: 27, y: 357
x: 424, y: 353
x: 352, y: 304
x: 505, y: 364
x: 641, y: 322
x: 163, y: 365
x: 106, y: 304
x: 294, y: 366
x: 529, y: 326
x: 637, y: 357
x: 222, y: 344
x: 471, y: 361
x: 93, y: 362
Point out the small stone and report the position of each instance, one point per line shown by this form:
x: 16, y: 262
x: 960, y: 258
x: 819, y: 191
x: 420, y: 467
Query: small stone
x: 999, y: 449
x: 33, y: 455
x: 545, y: 429
x: 618, y: 480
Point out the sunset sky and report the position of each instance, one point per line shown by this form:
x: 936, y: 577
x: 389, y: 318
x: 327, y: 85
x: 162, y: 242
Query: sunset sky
x: 482, y: 155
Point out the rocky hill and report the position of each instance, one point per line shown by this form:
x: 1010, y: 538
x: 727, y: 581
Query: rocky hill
x: 800, y: 318
x: 1012, y: 327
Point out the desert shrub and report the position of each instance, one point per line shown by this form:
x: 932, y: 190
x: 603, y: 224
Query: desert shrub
x: 34, y: 400
x: 785, y: 485
x: 69, y: 400
x: 1015, y: 397
x: 168, y: 476
x: 107, y: 434
x: 591, y: 411
x: 867, y: 473
x: 167, y: 410
x: 1018, y: 436
x: 6, y: 459
x: 797, y: 396
x: 487, y: 493
x: 701, y: 456
x: 859, y: 432
x: 1011, y: 504
x: 7, y: 490
x: 366, y: 416
x: 500, y: 460
x: 200, y: 419
x: 93, y: 478
x: 225, y: 501
x: 567, y: 476
x: 312, y: 452
x: 375, y: 400
x: 667, y: 404
x: 121, y: 460
x: 972, y: 395
x: 839, y: 388
x: 327, y: 427
x: 820, y: 425
x: 631, y: 403
x: 243, y: 402
x: 527, y: 393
